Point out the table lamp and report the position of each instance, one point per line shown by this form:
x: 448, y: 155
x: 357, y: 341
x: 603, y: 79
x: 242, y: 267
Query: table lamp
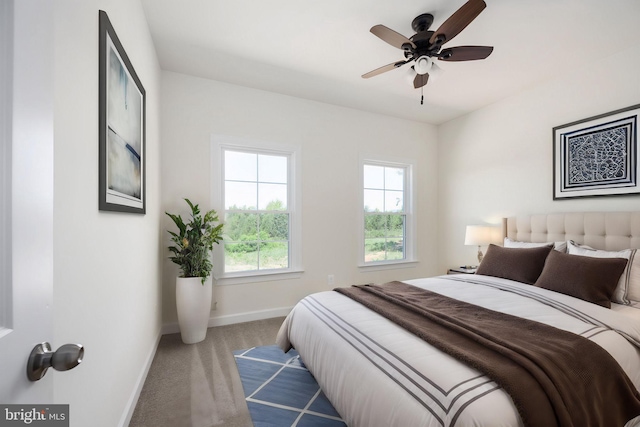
x: 480, y: 235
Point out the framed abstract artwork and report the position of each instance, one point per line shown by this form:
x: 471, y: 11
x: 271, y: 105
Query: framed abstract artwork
x: 122, y: 135
x: 597, y: 156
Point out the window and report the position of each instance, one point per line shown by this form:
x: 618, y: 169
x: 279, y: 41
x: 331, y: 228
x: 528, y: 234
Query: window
x: 259, y: 211
x: 387, y: 214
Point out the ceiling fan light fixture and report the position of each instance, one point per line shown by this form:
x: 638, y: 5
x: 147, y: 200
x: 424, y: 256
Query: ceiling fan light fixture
x: 423, y: 65
x: 410, y: 75
x: 435, y: 71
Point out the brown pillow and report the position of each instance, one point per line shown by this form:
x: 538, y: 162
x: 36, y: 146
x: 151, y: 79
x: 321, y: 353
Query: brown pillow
x: 588, y: 278
x: 519, y: 264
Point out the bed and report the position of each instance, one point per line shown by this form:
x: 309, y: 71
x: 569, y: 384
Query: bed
x: 378, y: 374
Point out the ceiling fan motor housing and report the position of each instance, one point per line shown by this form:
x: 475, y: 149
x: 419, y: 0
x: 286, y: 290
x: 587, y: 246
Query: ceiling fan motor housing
x: 423, y: 45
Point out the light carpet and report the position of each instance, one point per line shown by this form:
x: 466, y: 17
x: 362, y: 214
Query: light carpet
x: 281, y: 392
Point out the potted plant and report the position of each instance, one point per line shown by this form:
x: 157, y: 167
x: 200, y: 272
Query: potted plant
x: 191, y: 250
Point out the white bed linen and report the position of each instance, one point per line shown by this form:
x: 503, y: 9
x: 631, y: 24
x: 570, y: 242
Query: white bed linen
x: 352, y: 352
x: 632, y: 310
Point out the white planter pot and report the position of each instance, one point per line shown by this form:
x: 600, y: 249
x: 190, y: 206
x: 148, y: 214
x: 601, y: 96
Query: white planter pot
x: 193, y: 301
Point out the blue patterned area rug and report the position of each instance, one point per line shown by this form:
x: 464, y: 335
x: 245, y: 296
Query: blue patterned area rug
x: 281, y: 392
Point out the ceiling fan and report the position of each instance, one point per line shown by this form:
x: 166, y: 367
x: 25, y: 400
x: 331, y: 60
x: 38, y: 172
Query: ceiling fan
x: 426, y: 45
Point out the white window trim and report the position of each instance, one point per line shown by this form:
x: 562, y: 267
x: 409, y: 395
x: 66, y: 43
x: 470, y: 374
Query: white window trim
x: 219, y: 143
x: 411, y: 229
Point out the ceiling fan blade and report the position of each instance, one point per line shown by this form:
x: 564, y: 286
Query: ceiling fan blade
x: 458, y: 21
x: 393, y: 38
x: 420, y: 80
x: 384, y: 69
x: 465, y: 53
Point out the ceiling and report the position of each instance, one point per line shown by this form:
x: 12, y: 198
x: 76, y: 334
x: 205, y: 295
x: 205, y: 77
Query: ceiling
x: 318, y: 49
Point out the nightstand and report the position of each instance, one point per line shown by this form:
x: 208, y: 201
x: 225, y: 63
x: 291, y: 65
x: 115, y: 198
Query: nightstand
x: 462, y: 270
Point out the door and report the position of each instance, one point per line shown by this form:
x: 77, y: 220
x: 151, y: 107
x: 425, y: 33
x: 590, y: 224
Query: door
x: 26, y: 198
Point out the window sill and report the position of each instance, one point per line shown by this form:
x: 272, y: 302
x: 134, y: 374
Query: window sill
x: 388, y: 265
x: 255, y: 277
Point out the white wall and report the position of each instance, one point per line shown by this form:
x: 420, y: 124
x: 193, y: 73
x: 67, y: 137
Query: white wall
x: 106, y: 265
x: 498, y: 161
x: 331, y: 139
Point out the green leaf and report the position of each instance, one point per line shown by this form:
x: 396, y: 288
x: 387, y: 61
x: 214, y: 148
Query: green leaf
x: 193, y: 255
x: 177, y: 219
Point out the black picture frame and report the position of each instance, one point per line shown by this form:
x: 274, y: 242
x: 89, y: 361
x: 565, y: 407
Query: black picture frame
x: 122, y: 127
x: 597, y: 156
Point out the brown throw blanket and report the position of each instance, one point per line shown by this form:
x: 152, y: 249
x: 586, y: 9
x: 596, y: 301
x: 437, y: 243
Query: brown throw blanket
x: 555, y: 378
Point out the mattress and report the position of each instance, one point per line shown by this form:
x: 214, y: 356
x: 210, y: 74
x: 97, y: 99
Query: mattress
x: 377, y: 374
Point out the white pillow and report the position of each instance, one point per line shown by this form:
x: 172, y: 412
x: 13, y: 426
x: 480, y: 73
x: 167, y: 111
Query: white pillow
x: 558, y: 246
x: 629, y: 284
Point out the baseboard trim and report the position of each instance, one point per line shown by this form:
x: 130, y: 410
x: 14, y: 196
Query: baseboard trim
x: 230, y: 319
x: 135, y: 395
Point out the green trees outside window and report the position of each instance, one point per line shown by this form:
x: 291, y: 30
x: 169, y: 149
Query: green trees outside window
x: 384, y: 213
x: 256, y: 240
x: 257, y: 219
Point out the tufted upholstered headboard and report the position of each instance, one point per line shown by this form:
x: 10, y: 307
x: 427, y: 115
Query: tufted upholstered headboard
x: 600, y: 230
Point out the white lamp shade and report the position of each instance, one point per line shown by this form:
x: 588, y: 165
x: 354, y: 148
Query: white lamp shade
x: 435, y: 72
x: 423, y: 65
x: 480, y: 235
x: 410, y: 75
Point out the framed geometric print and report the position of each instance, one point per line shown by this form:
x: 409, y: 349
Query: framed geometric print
x: 597, y: 156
